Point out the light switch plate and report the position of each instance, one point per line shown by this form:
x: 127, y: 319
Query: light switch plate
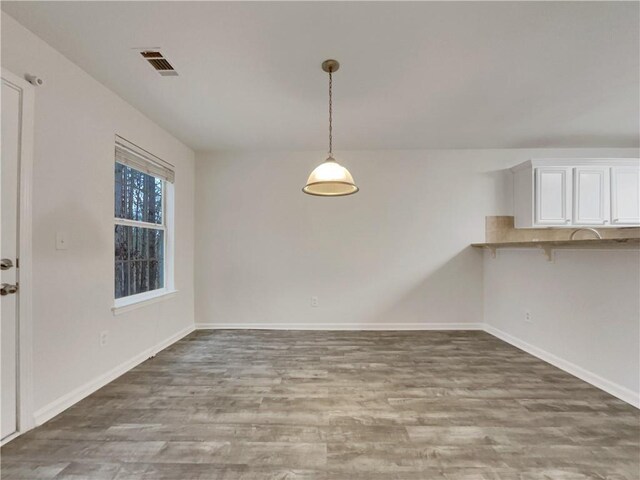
x: 61, y: 241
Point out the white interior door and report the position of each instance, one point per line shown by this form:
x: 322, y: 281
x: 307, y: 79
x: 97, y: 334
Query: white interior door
x: 9, y: 183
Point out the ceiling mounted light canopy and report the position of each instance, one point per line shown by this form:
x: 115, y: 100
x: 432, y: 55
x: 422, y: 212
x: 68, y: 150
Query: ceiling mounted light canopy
x: 330, y: 179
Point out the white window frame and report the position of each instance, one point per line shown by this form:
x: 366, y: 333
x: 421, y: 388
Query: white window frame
x: 131, y: 302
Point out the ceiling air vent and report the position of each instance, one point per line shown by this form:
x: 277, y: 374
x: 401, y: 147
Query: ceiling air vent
x: 159, y: 63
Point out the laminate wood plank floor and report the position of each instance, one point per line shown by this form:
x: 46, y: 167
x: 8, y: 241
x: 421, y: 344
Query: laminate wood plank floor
x: 267, y: 405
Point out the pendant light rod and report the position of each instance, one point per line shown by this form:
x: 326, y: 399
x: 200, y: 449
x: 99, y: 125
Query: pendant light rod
x: 330, y: 66
x: 330, y: 113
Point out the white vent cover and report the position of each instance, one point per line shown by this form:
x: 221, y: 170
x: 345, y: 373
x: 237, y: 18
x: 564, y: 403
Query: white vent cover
x: 159, y: 63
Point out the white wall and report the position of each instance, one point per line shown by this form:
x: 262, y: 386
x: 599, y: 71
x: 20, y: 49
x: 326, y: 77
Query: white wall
x: 585, y: 309
x: 396, y: 255
x: 76, y: 119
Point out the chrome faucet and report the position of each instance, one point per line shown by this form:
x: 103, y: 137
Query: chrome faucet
x: 573, y: 234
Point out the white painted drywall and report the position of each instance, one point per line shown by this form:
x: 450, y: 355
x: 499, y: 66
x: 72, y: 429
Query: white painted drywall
x: 395, y: 255
x: 76, y: 119
x: 585, y: 310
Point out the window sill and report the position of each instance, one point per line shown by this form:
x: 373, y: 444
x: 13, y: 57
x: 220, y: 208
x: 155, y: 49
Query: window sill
x: 123, y: 305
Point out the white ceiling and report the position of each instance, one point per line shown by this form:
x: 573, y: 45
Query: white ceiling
x: 414, y: 74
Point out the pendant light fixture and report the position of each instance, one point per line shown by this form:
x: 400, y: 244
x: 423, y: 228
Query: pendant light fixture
x: 330, y: 179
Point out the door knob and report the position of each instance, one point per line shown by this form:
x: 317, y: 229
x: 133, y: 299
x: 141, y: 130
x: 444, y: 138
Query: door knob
x: 8, y: 289
x: 6, y: 264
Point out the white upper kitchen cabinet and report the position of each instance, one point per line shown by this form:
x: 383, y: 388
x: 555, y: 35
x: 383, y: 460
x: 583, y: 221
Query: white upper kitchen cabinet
x: 591, y: 196
x: 552, y: 194
x: 625, y: 195
x: 562, y: 192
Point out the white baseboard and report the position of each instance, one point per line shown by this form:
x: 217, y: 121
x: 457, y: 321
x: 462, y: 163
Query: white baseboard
x: 608, y: 386
x: 59, y: 405
x: 8, y: 438
x: 339, y: 326
x: 171, y: 340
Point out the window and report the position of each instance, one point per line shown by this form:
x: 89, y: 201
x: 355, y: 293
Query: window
x: 142, y: 238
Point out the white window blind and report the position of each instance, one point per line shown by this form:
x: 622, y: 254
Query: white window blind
x: 135, y: 157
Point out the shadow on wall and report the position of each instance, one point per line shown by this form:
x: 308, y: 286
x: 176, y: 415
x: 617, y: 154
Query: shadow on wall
x: 452, y: 293
x: 501, y: 189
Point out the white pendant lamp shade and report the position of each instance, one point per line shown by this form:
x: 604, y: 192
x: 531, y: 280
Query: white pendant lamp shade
x: 330, y: 179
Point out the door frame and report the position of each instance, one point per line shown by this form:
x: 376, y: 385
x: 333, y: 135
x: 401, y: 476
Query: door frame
x: 24, y: 418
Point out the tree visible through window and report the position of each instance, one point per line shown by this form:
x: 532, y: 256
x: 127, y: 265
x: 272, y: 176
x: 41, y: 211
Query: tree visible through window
x: 139, y: 232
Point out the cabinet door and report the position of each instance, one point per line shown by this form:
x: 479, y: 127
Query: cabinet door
x: 625, y: 195
x: 553, y: 200
x: 591, y: 196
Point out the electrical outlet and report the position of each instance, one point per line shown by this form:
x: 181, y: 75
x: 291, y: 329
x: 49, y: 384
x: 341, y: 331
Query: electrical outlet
x: 104, y: 338
x: 314, y: 301
x: 527, y: 316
